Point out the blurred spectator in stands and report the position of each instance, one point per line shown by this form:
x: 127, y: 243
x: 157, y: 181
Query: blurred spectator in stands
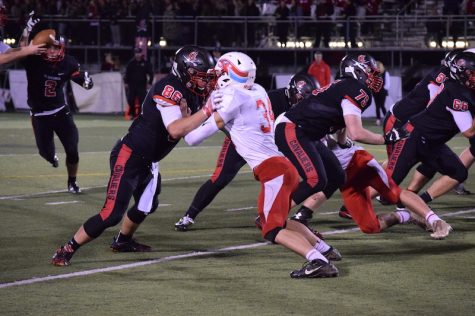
x: 372, y: 10
x: 186, y: 11
x: 170, y: 29
x: 323, y: 13
x: 138, y: 79
x: 115, y: 12
x: 360, y: 8
x: 93, y: 15
x: 250, y: 9
x: 110, y: 63
x: 469, y: 7
x: 451, y: 7
x: 380, y: 97
x: 350, y: 26
x: 435, y: 28
x: 281, y: 14
x: 302, y: 10
x: 320, y: 70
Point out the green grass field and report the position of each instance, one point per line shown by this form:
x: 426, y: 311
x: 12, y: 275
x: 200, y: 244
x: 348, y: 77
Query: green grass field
x: 222, y: 266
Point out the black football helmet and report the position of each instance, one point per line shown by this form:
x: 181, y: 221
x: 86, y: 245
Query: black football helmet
x: 463, y: 69
x: 363, y: 68
x: 193, y: 64
x: 449, y: 57
x: 300, y: 86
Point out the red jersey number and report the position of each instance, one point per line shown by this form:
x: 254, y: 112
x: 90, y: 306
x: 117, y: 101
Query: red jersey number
x: 170, y: 93
x: 267, y: 116
x: 459, y: 105
x: 362, y: 98
x: 50, y: 88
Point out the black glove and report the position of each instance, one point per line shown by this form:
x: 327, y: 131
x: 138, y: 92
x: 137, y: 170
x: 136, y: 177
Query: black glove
x: 395, y: 135
x: 348, y: 144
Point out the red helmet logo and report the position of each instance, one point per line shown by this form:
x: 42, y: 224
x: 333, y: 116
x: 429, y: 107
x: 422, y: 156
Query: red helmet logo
x: 361, y: 59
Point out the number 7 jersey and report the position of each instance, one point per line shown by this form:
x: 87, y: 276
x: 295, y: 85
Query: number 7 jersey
x: 249, y: 121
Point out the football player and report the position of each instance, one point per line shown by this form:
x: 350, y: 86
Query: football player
x: 330, y: 108
x: 230, y: 162
x: 449, y: 113
x: 165, y: 118
x: 46, y: 75
x: 245, y: 114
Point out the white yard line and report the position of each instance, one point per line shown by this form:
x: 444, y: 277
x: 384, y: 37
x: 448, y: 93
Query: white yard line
x: 61, y: 202
x: 176, y: 257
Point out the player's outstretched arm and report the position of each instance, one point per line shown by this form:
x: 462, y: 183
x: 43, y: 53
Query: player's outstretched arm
x: 356, y: 131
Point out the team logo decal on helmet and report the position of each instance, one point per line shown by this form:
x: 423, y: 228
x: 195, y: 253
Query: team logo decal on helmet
x: 236, y: 68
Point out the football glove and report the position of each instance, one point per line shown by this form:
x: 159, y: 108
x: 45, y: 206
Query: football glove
x: 31, y: 21
x: 213, y: 103
x: 395, y: 135
x: 88, y: 84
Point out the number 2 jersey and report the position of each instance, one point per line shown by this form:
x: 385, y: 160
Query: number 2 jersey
x: 148, y: 135
x: 249, y: 122
x: 450, y: 112
x: 322, y: 112
x: 46, y: 81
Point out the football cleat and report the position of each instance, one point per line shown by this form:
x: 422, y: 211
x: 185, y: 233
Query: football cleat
x: 303, y: 216
x: 55, y: 162
x: 343, y: 213
x: 441, y: 229
x: 184, y: 223
x: 460, y: 190
x: 129, y: 246
x: 332, y: 254
x: 62, y: 257
x: 73, y: 188
x: 315, y: 269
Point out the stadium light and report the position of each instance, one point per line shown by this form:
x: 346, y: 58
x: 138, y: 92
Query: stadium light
x: 162, y: 42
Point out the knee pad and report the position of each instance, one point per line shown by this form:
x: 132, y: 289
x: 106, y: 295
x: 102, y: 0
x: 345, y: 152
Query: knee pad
x: 272, y: 234
x: 137, y: 216
x: 94, y: 226
x: 426, y: 170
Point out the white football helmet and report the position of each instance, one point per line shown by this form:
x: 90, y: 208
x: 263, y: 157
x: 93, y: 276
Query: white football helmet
x: 235, y: 68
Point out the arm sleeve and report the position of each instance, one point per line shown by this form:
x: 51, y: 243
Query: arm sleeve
x: 349, y: 108
x: 463, y: 119
x: 205, y: 130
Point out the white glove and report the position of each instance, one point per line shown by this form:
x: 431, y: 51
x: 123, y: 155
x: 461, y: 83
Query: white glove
x: 213, y: 103
x: 31, y: 21
x: 88, y: 84
x: 217, y: 98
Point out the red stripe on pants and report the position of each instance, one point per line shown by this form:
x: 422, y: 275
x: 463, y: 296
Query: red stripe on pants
x: 114, y: 181
x: 222, y: 156
x: 304, y: 160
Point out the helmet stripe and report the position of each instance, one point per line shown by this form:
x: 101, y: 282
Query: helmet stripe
x: 236, y: 77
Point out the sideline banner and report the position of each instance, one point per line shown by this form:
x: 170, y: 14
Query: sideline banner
x: 107, y: 95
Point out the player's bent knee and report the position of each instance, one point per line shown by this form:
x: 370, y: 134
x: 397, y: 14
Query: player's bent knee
x: 137, y: 216
x: 272, y: 234
x: 461, y: 175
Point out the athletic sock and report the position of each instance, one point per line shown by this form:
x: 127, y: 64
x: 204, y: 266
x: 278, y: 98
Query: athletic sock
x: 314, y: 254
x: 431, y: 218
x: 72, y: 245
x: 321, y: 246
x: 426, y: 197
x: 404, y: 216
x: 123, y: 238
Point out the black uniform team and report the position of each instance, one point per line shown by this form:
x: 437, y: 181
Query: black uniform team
x: 438, y: 108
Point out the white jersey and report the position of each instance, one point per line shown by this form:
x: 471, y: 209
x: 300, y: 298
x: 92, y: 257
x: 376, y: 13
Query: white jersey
x: 249, y: 121
x: 344, y: 155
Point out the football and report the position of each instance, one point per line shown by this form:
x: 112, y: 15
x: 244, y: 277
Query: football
x: 44, y: 37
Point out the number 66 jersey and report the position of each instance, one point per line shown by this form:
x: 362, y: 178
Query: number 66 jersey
x: 249, y: 121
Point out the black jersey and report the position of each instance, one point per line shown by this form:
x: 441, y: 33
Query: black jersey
x: 279, y: 101
x: 436, y: 123
x: 46, y: 81
x: 416, y: 101
x: 321, y: 113
x: 148, y: 136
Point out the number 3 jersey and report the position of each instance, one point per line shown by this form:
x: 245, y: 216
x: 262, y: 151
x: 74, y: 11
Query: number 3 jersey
x: 322, y: 112
x: 148, y: 135
x: 46, y: 81
x: 249, y: 121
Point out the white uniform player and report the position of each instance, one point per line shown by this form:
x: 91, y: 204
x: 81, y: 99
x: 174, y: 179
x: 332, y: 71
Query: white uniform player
x: 243, y: 111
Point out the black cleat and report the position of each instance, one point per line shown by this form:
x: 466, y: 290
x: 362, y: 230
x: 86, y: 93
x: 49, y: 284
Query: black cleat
x: 332, y: 254
x: 73, y: 188
x: 303, y: 215
x: 315, y: 269
x: 55, y: 162
x: 62, y: 257
x: 343, y: 213
x: 129, y: 246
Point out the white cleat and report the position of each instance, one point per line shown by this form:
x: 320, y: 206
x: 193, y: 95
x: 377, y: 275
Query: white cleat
x: 441, y: 229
